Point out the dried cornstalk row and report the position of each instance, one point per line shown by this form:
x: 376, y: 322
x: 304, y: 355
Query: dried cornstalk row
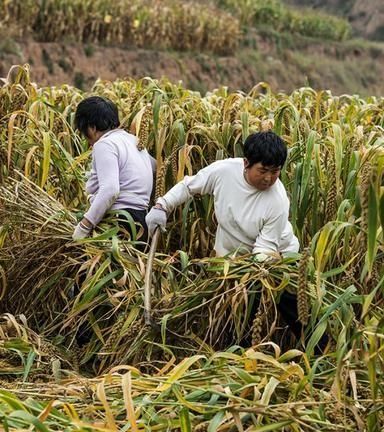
x: 173, y: 24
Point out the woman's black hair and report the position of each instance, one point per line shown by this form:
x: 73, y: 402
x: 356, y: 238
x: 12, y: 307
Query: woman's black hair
x: 97, y: 112
x: 265, y: 147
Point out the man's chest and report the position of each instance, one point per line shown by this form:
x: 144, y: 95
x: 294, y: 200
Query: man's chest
x: 243, y: 212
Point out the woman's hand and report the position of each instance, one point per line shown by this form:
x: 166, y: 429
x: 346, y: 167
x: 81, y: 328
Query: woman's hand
x: 157, y: 217
x: 82, y: 229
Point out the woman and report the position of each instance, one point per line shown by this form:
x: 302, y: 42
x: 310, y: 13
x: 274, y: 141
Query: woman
x: 122, y: 176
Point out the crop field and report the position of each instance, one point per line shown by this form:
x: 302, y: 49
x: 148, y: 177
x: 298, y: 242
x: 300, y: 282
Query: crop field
x: 191, y: 370
x: 216, y: 26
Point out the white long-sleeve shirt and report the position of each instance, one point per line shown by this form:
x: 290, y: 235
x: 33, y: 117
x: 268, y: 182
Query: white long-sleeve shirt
x: 121, y: 175
x: 248, y: 219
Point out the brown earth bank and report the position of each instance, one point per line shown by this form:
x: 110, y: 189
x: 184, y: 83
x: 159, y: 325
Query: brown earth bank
x: 356, y: 67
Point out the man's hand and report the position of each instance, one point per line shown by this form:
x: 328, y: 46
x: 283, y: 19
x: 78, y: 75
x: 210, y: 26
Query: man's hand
x: 157, y: 217
x: 269, y: 257
x: 82, y: 230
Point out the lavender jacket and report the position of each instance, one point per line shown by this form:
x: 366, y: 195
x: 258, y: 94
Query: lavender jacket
x: 121, y: 175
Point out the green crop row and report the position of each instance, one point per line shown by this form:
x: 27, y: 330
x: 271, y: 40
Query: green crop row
x: 274, y: 13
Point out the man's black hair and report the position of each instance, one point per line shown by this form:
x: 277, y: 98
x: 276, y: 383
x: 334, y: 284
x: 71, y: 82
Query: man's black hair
x: 265, y: 147
x: 97, y: 112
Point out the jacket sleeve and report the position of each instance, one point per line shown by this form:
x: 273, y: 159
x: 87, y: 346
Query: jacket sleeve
x: 202, y: 183
x: 107, y: 170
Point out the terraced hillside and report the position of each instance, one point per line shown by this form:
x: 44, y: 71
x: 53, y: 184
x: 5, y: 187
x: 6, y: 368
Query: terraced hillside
x: 247, y: 42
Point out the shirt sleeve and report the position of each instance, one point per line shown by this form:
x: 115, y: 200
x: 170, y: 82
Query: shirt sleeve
x: 153, y: 163
x: 202, y: 183
x: 107, y: 170
x: 270, y: 235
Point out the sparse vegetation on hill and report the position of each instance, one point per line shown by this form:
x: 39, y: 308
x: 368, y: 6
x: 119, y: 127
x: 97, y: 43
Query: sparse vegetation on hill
x: 260, y: 40
x: 366, y: 17
x: 275, y: 14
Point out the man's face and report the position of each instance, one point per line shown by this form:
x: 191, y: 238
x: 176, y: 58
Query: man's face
x: 260, y: 176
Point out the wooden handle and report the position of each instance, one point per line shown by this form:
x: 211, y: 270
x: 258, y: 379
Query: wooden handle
x: 148, y: 277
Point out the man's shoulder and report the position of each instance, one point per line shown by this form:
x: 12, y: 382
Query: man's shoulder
x: 227, y: 165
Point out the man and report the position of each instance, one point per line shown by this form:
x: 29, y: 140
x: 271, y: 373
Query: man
x: 121, y: 176
x: 251, y: 203
x: 251, y: 207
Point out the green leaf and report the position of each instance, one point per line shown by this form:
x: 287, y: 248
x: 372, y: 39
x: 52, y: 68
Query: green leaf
x: 11, y: 400
x: 269, y: 390
x: 185, y: 421
x: 28, y: 366
x: 216, y: 421
x: 46, y: 158
x: 156, y: 111
x: 184, y: 260
x: 245, y: 376
x: 289, y: 355
x: 381, y: 211
x: 272, y: 427
x: 307, y: 163
x: 244, y: 125
x: 315, y: 337
x: 370, y: 298
x: 179, y: 371
x: 28, y: 419
x: 372, y: 227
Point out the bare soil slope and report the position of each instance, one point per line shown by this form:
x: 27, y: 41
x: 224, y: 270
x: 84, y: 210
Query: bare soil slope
x: 282, y: 61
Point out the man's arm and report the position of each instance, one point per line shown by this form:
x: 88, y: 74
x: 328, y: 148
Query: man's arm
x: 268, y: 240
x: 202, y: 183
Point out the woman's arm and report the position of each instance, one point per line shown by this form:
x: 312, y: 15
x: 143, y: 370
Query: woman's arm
x: 107, y: 171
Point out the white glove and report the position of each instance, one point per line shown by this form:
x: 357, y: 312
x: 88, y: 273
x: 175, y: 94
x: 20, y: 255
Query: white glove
x: 261, y: 257
x: 157, y: 217
x: 81, y: 231
x: 266, y: 258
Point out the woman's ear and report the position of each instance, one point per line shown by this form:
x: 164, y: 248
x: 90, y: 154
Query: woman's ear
x: 91, y: 130
x: 246, y: 163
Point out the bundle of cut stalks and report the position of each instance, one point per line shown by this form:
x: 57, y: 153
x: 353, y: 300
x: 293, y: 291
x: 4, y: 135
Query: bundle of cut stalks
x: 35, y: 254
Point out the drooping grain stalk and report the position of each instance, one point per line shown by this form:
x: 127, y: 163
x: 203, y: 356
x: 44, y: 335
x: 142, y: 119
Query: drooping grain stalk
x: 302, y: 289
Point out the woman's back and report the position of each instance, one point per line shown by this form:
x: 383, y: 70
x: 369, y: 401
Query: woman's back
x: 120, y: 170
